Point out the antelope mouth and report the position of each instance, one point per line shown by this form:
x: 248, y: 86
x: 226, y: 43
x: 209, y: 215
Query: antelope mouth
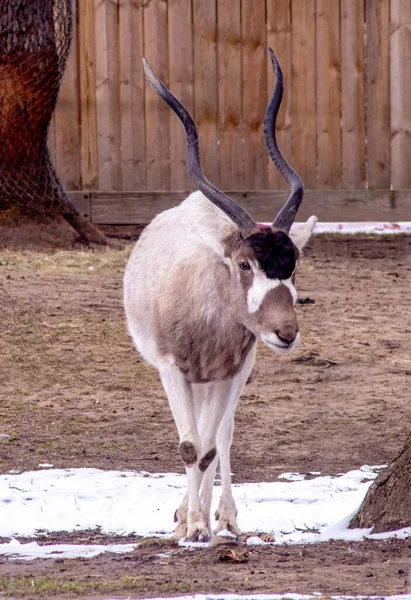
x: 278, y: 346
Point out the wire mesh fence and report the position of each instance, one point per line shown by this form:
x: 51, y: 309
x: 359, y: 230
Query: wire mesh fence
x: 35, y: 37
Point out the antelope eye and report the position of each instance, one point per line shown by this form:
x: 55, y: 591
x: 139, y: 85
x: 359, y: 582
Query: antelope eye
x: 245, y: 266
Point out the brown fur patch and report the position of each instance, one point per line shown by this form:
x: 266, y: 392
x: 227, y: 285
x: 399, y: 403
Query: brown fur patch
x: 281, y: 298
x: 200, y: 323
x: 279, y: 314
x: 207, y: 459
x: 204, y: 323
x: 188, y: 453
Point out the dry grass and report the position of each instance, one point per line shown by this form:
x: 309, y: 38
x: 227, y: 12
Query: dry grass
x: 66, y: 262
x: 30, y: 587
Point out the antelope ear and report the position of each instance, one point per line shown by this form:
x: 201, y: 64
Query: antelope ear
x: 302, y: 234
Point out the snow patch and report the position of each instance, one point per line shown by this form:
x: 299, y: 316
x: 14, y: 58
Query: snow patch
x: 292, y: 510
x: 15, y: 550
x: 364, y: 227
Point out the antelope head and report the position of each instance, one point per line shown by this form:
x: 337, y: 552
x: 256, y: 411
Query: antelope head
x: 261, y: 259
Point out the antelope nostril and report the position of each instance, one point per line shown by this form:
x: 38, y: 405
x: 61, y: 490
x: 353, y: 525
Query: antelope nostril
x: 286, y: 338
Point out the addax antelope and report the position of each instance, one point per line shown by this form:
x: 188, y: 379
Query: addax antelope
x: 203, y: 284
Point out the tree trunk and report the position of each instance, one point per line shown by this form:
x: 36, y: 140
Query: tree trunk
x: 387, y: 505
x: 35, y: 37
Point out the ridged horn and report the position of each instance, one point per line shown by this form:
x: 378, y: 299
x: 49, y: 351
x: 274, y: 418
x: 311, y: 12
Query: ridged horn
x: 286, y: 216
x: 236, y: 213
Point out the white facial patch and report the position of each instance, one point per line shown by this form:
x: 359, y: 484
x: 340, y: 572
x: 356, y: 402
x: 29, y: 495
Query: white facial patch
x: 261, y: 285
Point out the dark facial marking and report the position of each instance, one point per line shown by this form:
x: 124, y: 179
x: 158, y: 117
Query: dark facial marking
x: 275, y: 252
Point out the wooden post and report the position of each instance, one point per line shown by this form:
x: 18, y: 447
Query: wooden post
x: 181, y: 84
x: 205, y: 83
x: 279, y: 38
x: 107, y: 94
x: 231, y: 147
x: 158, y: 113
x: 254, y: 82
x: 352, y: 94
x: 378, y: 94
x: 328, y: 105
x: 66, y: 118
x: 400, y: 44
x: 304, y: 109
x: 88, y: 108
x: 131, y: 83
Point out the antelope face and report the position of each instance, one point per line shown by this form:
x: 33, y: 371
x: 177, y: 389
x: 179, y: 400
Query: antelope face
x: 277, y: 319
x: 265, y: 264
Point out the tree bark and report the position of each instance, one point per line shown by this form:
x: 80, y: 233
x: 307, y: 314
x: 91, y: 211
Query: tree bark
x: 35, y: 37
x: 387, y: 505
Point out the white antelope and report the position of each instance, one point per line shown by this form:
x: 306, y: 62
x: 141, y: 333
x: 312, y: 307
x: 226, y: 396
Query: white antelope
x: 203, y: 283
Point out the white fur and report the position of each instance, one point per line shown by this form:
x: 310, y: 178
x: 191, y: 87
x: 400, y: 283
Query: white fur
x: 301, y: 234
x: 261, y: 285
x: 190, y: 237
x: 194, y: 225
x: 272, y: 340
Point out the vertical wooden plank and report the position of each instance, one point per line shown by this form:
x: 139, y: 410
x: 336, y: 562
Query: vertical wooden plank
x: 88, y: 108
x: 304, y: 109
x: 66, y: 117
x: 328, y: 100
x: 107, y: 94
x: 181, y: 83
x: 279, y: 38
x: 230, y: 157
x: 157, y: 111
x: 254, y: 82
x: 131, y: 83
x: 378, y: 94
x: 400, y: 42
x: 205, y: 84
x: 352, y: 94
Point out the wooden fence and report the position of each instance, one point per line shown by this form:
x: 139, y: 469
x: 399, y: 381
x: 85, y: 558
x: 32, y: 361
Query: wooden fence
x: 345, y: 121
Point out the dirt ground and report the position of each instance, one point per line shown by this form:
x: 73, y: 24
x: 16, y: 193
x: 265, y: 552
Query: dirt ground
x: 74, y: 393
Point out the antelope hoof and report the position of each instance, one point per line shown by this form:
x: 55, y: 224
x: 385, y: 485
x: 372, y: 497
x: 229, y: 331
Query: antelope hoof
x: 225, y: 525
x: 180, y: 531
x: 197, y: 530
x: 227, y: 521
x: 198, y: 534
